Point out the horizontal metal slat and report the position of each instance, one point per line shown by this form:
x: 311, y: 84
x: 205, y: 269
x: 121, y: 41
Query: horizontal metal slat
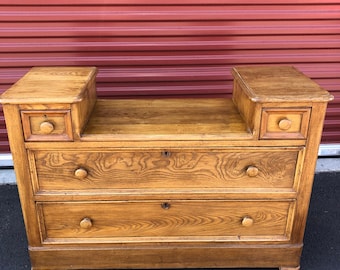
x: 326, y: 74
x: 331, y: 84
x: 164, y: 88
x: 166, y: 44
x: 333, y: 111
x: 332, y: 125
x: 331, y: 136
x: 320, y: 70
x: 165, y: 73
x: 3, y: 134
x: 175, y: 28
x: 157, y: 2
x: 168, y: 13
x: 336, y: 100
x: 171, y: 58
x: 4, y: 147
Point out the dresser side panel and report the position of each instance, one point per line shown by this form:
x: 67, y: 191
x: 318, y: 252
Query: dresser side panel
x: 22, y: 172
x: 82, y: 110
x: 308, y: 170
x: 249, y: 110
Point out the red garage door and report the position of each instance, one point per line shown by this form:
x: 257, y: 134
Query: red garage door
x: 172, y: 47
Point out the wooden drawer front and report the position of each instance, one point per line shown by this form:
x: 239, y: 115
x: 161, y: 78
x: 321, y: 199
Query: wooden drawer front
x: 192, y: 220
x: 47, y: 125
x: 284, y: 123
x: 69, y: 170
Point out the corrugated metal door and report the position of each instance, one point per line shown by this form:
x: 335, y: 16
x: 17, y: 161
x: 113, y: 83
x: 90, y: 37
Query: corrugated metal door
x: 172, y: 47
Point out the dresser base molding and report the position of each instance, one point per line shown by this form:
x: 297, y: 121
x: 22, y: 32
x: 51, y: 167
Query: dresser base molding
x: 155, y: 257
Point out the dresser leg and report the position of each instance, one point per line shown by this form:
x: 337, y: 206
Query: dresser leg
x: 289, y: 268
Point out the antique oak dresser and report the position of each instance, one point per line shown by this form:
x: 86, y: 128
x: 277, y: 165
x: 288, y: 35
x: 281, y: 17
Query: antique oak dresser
x: 164, y: 183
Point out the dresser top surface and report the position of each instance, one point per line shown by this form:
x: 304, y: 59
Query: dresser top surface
x: 50, y: 85
x: 168, y: 119
x: 279, y: 84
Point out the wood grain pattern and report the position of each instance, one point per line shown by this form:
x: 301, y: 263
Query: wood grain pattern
x: 279, y: 84
x: 181, y: 119
x: 63, y: 85
x: 194, y: 220
x: 82, y: 110
x: 174, y: 168
x: 249, y: 110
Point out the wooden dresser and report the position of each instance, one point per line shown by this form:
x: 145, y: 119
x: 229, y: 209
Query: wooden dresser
x: 164, y: 183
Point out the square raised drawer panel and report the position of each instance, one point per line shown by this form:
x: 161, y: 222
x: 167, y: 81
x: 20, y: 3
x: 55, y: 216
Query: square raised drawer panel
x: 48, y: 125
x: 283, y: 123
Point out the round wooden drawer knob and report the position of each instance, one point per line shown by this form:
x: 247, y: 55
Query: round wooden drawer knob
x: 252, y: 171
x: 85, y: 223
x: 80, y: 173
x: 285, y: 124
x: 247, y: 221
x: 46, y: 127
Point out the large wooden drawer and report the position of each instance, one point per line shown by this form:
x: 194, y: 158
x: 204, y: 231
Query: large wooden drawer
x: 165, y: 221
x: 248, y: 168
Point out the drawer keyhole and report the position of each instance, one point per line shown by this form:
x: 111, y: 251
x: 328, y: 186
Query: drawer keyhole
x: 166, y: 153
x: 166, y: 205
